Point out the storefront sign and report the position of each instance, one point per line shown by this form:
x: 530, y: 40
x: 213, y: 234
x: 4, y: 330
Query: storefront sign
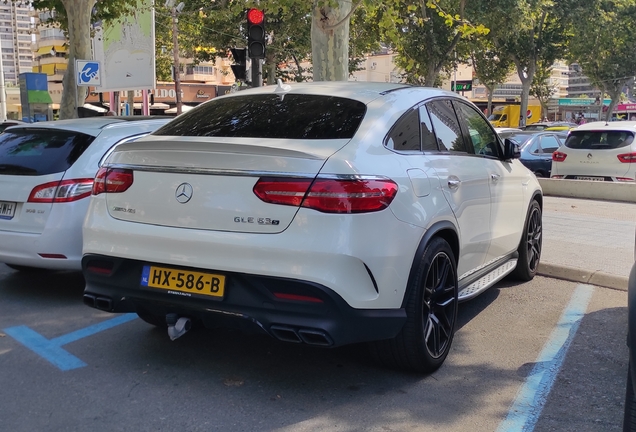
x: 165, y: 93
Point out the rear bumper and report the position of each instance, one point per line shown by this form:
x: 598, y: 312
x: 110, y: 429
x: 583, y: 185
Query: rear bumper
x: 62, y: 235
x: 249, y: 303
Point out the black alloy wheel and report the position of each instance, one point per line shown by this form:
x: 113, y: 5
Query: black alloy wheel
x: 439, y: 305
x: 530, y: 245
x: 431, y: 314
x: 629, y: 418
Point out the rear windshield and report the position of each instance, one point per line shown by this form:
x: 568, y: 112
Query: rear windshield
x: 599, y: 140
x: 40, y: 151
x: 293, y: 116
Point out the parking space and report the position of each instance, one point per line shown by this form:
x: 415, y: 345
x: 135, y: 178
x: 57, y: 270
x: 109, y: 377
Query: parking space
x: 132, y: 377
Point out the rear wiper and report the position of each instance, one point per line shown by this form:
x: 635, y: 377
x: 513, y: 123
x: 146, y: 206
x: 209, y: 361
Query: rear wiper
x: 16, y: 169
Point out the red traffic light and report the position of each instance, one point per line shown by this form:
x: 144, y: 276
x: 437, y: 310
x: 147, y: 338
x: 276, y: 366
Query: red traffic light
x: 255, y: 16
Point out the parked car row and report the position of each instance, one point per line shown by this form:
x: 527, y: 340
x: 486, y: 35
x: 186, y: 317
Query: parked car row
x: 46, y: 177
x: 598, y: 151
x: 317, y: 213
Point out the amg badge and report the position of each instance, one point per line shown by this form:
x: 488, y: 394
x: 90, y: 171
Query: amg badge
x: 260, y: 221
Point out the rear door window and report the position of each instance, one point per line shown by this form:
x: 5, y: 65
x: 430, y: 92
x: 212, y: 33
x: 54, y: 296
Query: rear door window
x: 446, y: 127
x: 599, y: 140
x: 40, y: 151
x: 293, y: 116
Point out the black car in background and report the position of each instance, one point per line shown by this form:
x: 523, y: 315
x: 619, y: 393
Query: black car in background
x: 537, y: 148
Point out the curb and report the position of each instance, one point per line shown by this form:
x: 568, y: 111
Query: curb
x: 590, y: 190
x: 583, y: 276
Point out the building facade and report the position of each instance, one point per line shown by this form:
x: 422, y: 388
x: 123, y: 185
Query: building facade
x: 15, y: 40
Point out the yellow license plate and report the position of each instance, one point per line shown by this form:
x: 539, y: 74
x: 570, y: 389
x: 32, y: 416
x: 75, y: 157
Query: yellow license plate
x: 183, y: 281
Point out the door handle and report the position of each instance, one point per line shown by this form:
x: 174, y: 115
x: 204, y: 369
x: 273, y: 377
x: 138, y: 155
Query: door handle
x: 453, y: 182
x: 495, y: 177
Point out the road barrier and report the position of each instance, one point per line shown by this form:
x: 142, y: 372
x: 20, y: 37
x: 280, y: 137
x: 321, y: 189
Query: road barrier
x: 595, y: 190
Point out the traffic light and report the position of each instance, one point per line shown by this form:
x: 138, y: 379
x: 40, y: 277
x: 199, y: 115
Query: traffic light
x: 239, y: 66
x: 255, y: 34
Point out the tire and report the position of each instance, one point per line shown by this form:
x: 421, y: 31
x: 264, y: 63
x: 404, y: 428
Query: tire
x: 155, y: 320
x: 431, y: 314
x: 539, y: 174
x: 530, y: 245
x: 629, y: 420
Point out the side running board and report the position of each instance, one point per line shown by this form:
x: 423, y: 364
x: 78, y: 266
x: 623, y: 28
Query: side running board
x: 485, y: 282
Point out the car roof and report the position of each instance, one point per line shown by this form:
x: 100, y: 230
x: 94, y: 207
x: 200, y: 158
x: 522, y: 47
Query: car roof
x: 612, y: 126
x: 364, y: 92
x: 91, y: 125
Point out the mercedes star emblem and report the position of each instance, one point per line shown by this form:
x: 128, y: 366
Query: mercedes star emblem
x: 183, y: 193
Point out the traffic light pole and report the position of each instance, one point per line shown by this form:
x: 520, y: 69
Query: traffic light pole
x: 257, y: 73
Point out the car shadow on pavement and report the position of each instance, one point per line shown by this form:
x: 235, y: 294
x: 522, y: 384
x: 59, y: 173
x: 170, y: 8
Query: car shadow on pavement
x: 39, y: 285
x: 286, y: 385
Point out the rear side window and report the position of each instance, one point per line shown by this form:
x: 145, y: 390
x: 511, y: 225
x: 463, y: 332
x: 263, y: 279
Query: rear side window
x: 40, y: 151
x: 294, y: 116
x: 599, y: 140
x: 405, y: 135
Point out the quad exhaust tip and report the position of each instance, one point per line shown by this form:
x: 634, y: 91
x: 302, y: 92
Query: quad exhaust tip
x: 309, y: 336
x: 103, y: 303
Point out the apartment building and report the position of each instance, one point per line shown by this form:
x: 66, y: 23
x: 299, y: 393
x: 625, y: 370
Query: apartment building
x: 15, y: 39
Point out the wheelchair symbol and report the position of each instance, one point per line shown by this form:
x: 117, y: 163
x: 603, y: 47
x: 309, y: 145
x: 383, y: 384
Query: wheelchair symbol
x: 89, y: 72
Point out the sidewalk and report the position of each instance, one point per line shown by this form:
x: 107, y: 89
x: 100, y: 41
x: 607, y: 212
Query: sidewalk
x: 588, y: 241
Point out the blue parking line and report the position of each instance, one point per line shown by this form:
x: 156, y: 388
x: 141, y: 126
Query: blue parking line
x: 51, y: 349
x: 526, y: 409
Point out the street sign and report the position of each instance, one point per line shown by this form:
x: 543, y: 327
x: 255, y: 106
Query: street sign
x: 462, y: 86
x: 88, y: 73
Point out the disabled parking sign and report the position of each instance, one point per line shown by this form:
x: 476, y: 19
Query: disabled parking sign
x: 88, y: 73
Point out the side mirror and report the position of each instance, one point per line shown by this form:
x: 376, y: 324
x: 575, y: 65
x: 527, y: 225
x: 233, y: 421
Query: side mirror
x: 511, y: 150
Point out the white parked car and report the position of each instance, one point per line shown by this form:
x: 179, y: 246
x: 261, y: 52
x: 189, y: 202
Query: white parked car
x: 597, y: 151
x: 46, y: 177
x: 319, y: 213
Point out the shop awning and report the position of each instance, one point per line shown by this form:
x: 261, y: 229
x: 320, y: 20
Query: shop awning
x: 95, y: 108
x: 47, y: 49
x: 184, y: 108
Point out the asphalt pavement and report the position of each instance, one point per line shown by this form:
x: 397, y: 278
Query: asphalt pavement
x: 588, y: 241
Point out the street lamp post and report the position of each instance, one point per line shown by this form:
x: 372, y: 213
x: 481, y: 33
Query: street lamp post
x: 3, y: 93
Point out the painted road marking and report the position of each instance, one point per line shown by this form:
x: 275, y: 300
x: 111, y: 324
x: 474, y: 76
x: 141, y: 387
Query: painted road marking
x: 526, y: 409
x: 51, y: 349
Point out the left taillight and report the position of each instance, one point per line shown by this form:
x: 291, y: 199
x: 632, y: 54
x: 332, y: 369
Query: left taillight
x: 356, y: 195
x: 61, y: 191
x: 112, y: 180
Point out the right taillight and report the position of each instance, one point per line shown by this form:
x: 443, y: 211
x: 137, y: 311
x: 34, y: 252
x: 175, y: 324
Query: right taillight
x: 558, y: 156
x: 355, y: 195
x: 627, y: 157
x: 112, y: 180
